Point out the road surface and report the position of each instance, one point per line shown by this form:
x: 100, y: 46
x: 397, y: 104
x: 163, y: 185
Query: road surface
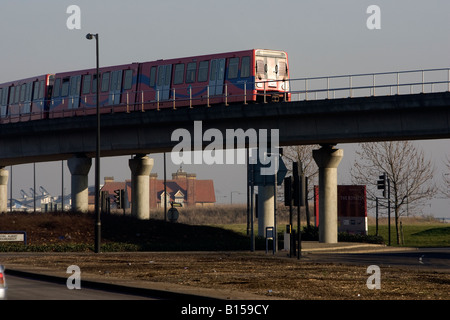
x: 423, y: 258
x: 21, y: 288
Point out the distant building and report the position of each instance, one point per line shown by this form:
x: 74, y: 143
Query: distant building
x: 183, y: 188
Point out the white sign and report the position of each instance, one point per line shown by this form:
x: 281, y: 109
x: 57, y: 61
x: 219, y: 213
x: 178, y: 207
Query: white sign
x: 12, y: 237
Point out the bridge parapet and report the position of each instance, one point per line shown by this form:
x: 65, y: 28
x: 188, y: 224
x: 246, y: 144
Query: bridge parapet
x: 371, y: 84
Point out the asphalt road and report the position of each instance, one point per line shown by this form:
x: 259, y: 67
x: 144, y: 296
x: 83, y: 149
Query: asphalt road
x: 424, y: 258
x: 22, y: 288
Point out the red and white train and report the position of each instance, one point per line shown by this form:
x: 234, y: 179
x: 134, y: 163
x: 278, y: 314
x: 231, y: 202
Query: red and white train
x: 233, y: 77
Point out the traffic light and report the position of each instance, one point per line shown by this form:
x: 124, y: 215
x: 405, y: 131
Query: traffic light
x: 118, y: 198
x: 381, y: 184
x: 298, y: 185
x: 294, y: 187
x: 288, y: 191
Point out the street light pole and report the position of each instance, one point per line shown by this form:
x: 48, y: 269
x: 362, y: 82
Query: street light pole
x: 90, y: 36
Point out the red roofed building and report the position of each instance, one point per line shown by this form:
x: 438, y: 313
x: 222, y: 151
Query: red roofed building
x: 183, y: 188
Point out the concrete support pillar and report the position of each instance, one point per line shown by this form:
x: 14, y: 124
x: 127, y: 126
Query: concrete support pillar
x: 328, y: 159
x: 265, y: 209
x: 140, y: 166
x: 3, y: 189
x: 79, y: 168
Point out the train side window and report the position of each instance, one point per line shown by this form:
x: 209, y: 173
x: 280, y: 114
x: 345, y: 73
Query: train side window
x: 41, y: 89
x: 75, y: 83
x: 11, y: 94
x: 36, y: 90
x: 105, y: 81
x: 29, y: 93
x: 213, y: 70
x: 94, y: 83
x: 56, y: 88
x: 233, y: 68
x: 191, y: 72
x: 128, y: 81
x: 87, y: 80
x: 5, y: 96
x: 152, y: 81
x: 23, y: 90
x: 203, y: 71
x: 65, y: 87
x: 179, y: 74
x: 17, y: 95
x: 3, y: 106
x: 116, y: 80
x: 245, y: 67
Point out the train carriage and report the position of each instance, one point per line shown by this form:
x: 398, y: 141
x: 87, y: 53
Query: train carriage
x: 74, y: 93
x: 26, y: 99
x: 224, y: 78
x: 241, y: 76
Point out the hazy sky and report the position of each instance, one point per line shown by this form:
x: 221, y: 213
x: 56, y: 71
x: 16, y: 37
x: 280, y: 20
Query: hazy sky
x: 321, y: 38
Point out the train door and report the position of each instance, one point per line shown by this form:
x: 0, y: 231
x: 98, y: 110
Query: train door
x: 164, y: 81
x: 216, y: 77
x: 115, y: 88
x: 74, y: 92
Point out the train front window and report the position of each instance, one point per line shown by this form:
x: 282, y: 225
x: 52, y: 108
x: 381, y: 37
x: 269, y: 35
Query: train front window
x: 260, y: 69
x: 282, y: 69
x: 271, y: 65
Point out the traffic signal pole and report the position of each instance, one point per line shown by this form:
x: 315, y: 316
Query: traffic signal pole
x: 389, y: 211
x: 381, y: 185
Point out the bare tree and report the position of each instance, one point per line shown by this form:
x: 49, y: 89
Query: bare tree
x: 409, y: 172
x: 303, y: 154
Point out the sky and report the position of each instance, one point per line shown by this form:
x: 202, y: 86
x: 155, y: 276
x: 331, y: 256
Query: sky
x: 322, y: 38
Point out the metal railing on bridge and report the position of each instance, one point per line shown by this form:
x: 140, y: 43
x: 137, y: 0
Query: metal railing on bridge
x: 371, y: 84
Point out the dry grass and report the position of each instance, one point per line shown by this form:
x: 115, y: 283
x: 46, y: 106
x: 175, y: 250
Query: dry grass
x: 224, y: 214
x: 255, y: 273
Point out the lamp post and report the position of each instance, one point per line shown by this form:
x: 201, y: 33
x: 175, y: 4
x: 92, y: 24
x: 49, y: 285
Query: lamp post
x: 90, y: 36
